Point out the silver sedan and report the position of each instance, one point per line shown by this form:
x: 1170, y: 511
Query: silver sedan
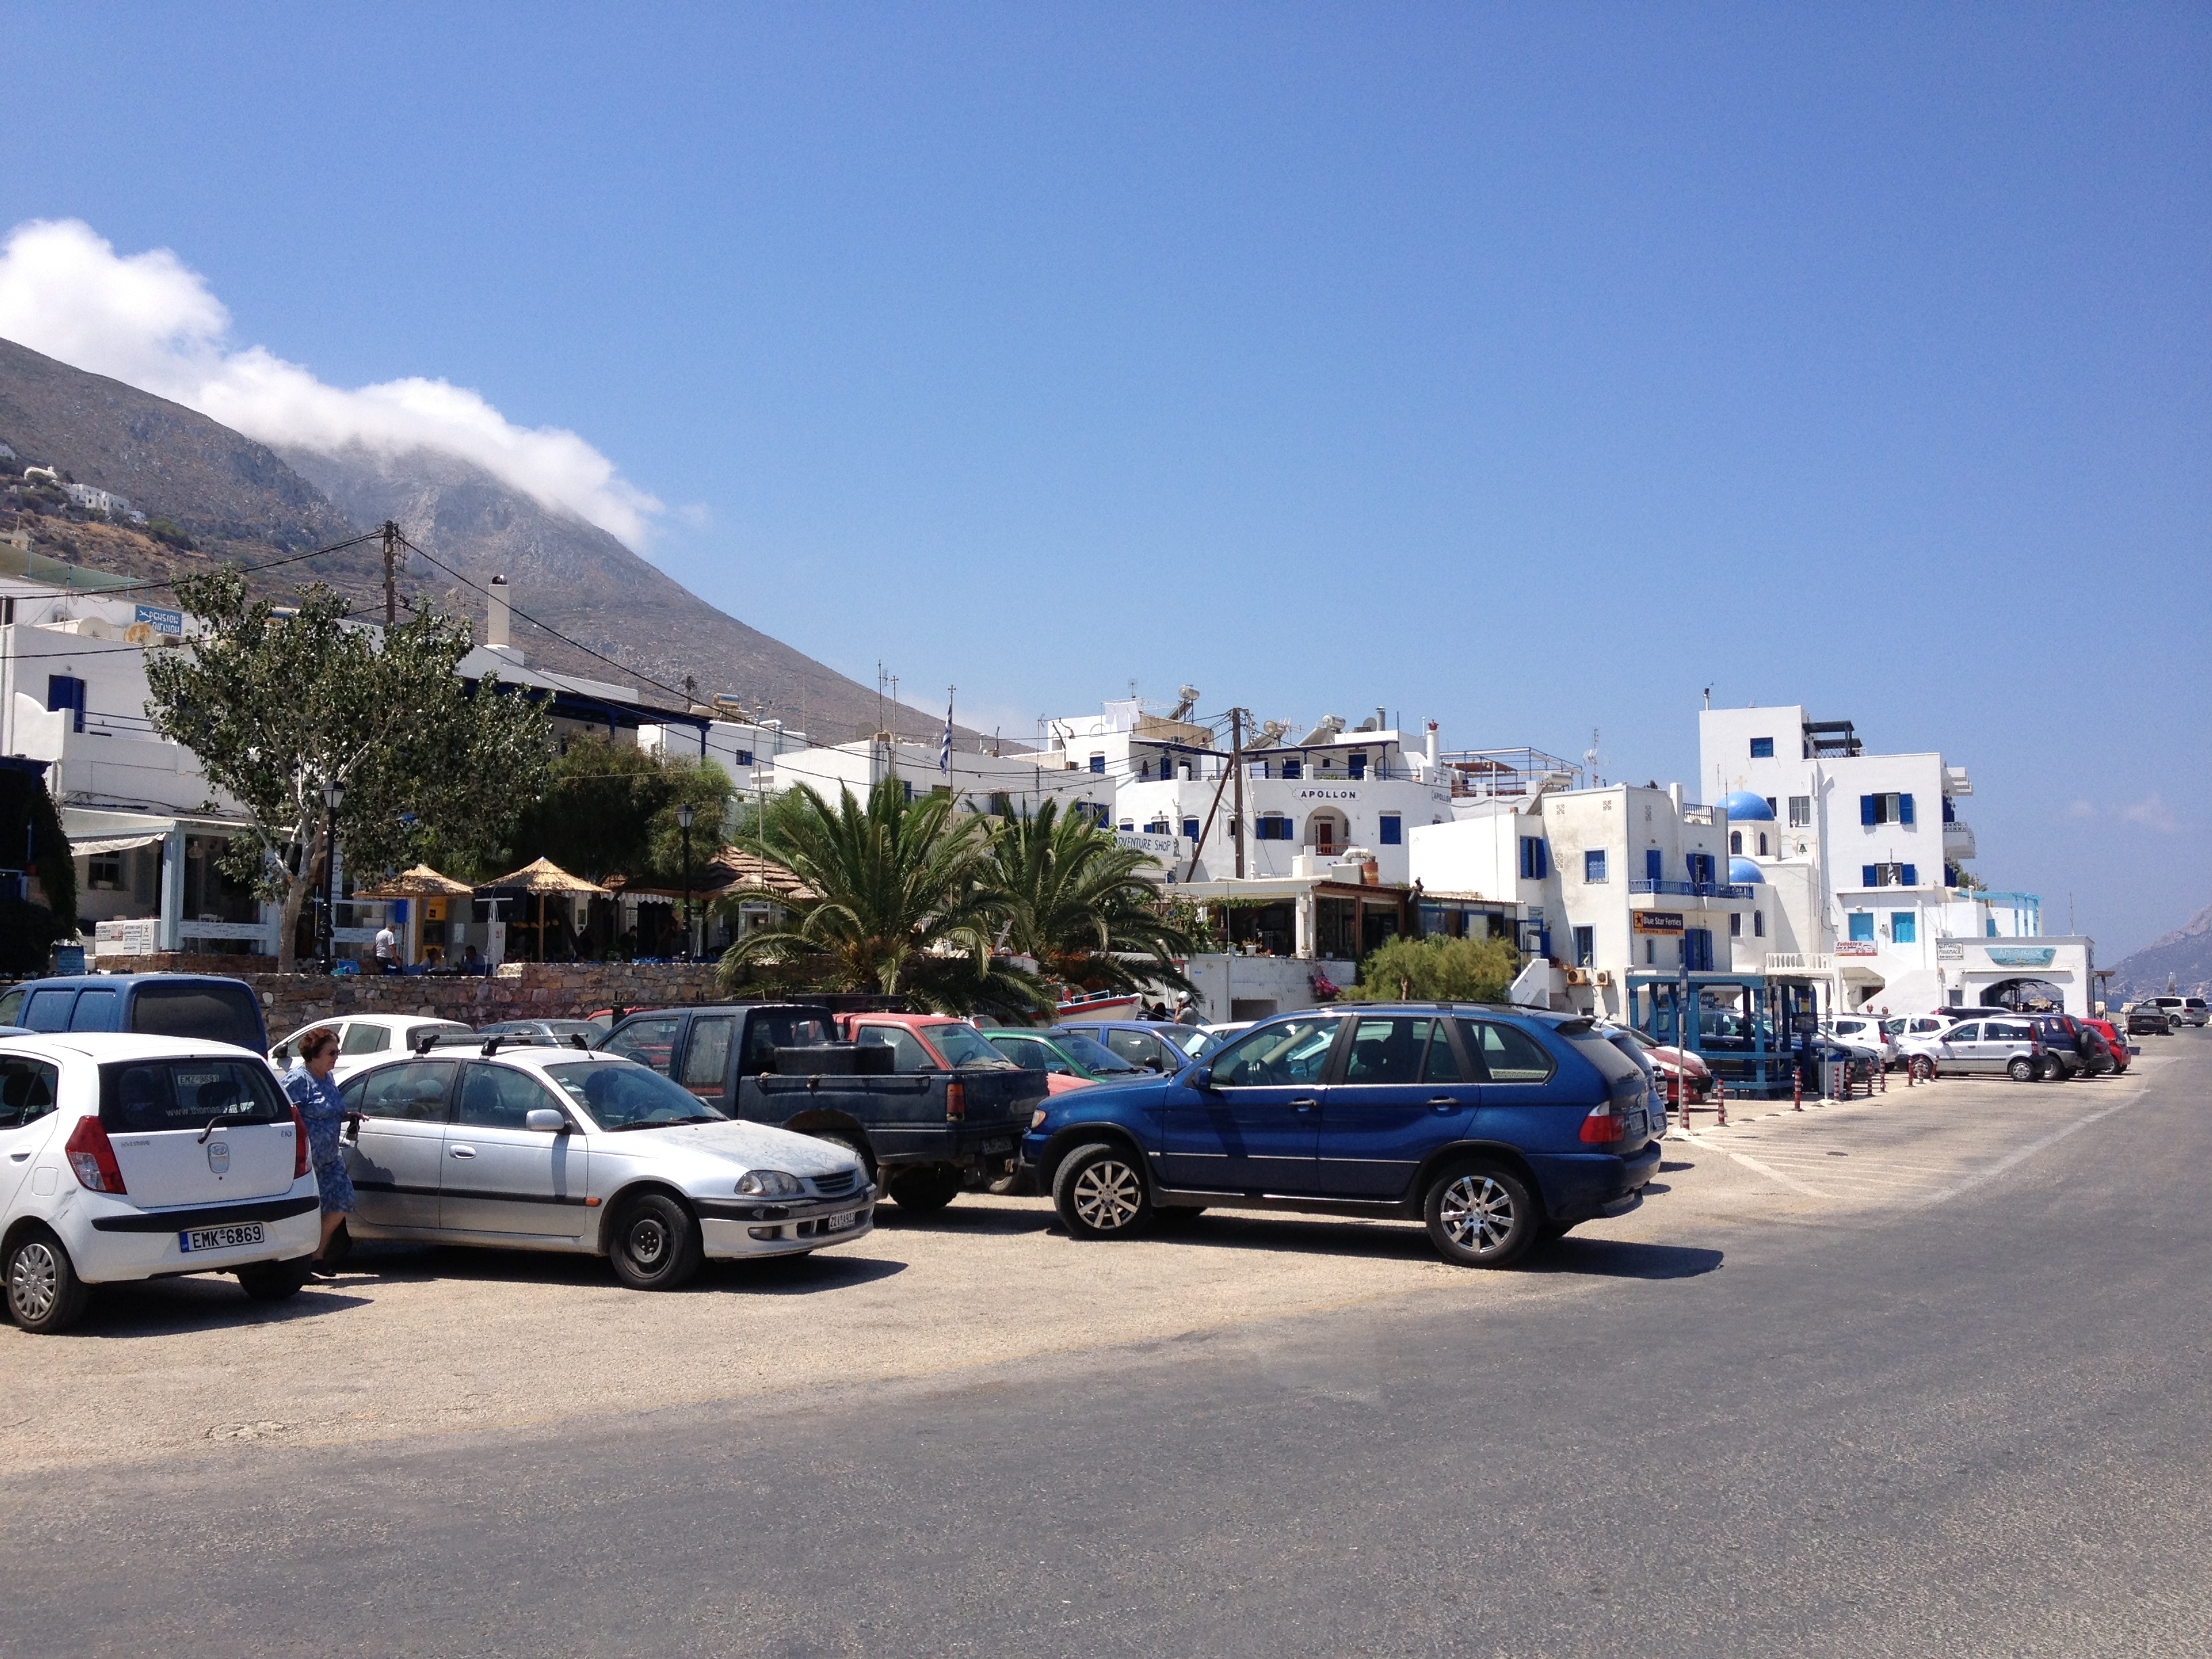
x: 548, y: 1149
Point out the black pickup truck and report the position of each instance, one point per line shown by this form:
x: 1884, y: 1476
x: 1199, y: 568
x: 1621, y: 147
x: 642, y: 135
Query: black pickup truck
x: 928, y: 1105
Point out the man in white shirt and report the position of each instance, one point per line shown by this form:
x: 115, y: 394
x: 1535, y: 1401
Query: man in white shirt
x: 387, y: 950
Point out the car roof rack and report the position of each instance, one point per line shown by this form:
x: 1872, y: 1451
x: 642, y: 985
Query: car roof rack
x: 489, y: 1046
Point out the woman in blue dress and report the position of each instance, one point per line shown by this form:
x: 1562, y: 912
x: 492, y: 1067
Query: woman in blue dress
x: 308, y: 1084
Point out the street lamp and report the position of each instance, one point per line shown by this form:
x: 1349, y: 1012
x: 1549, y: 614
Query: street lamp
x: 683, y: 815
x: 334, y: 797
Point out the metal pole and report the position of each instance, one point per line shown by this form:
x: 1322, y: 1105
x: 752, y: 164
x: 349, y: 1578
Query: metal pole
x: 391, y: 564
x: 688, y: 949
x: 330, y: 917
x: 1236, y: 763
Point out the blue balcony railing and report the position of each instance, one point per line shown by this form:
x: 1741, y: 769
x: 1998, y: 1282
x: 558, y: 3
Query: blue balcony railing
x: 1692, y: 889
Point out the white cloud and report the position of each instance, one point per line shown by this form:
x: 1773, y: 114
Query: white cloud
x: 2152, y: 813
x: 2081, y: 809
x: 151, y: 321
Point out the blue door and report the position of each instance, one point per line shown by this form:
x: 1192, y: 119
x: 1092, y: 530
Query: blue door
x: 1655, y: 864
x: 1254, y: 1128
x: 1402, y: 1089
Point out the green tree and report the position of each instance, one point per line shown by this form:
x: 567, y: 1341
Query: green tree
x: 1078, y: 900
x: 1437, y: 969
x: 904, y: 902
x: 277, y: 707
x: 609, y: 808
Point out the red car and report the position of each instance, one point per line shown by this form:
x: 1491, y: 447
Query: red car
x: 2113, y: 1040
x: 1672, y: 1067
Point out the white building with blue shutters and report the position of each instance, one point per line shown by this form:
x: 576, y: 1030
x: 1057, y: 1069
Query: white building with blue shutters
x: 1867, y: 855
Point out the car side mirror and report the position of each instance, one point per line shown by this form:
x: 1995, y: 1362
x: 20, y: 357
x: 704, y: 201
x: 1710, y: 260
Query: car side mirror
x: 547, y: 1120
x: 1201, y: 1077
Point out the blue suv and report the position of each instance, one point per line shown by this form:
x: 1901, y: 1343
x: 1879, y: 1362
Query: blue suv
x: 1495, y: 1127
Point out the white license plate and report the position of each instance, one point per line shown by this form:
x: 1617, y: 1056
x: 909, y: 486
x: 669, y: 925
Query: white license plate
x: 839, y: 1223
x: 222, y: 1238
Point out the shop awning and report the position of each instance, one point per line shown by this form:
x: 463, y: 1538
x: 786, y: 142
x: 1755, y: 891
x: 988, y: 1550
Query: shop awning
x: 86, y: 846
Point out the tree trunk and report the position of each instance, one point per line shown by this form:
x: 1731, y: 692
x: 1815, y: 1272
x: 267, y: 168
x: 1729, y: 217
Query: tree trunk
x: 292, y: 897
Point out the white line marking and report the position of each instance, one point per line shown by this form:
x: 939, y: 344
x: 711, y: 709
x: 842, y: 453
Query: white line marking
x: 1753, y: 1165
x: 2028, y: 1152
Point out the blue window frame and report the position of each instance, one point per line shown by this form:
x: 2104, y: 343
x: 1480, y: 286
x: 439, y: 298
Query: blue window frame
x: 1535, y: 859
x: 1735, y: 924
x: 1292, y: 770
x: 1905, y: 809
x: 1701, y: 868
x: 1869, y: 875
x: 1911, y: 874
x: 1862, y: 926
x: 1697, y: 950
x: 1904, y: 927
x: 1594, y: 865
x: 1098, y: 763
x: 903, y: 783
x: 1759, y: 924
x: 1655, y: 864
x: 1762, y: 749
x: 1392, y: 829
x: 1190, y: 829
x: 744, y: 757
x: 66, y: 691
x: 1271, y: 826
x: 1585, y: 947
x: 1359, y: 766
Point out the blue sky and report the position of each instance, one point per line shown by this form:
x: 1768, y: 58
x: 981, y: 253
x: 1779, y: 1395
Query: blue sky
x: 1529, y: 370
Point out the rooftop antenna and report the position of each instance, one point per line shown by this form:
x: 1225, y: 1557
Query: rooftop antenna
x: 1589, y: 758
x: 1709, y: 696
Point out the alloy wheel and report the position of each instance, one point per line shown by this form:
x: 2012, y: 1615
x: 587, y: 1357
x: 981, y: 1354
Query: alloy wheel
x: 34, y: 1281
x: 1108, y: 1195
x: 1477, y: 1212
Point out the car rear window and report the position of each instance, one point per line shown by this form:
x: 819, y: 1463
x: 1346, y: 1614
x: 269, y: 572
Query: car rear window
x: 142, y: 1096
x: 1613, y: 1066
x: 212, y: 1011
x: 963, y: 1047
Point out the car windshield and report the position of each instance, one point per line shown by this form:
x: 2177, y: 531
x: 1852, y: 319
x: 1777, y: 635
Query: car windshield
x: 1091, y: 1055
x: 964, y: 1048
x: 621, y: 1094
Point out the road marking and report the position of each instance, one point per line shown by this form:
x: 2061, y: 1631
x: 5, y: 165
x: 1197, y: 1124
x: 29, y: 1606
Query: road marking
x: 2023, y: 1153
x: 1753, y: 1165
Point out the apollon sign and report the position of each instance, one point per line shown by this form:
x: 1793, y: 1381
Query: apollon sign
x: 1656, y: 922
x: 1329, y: 794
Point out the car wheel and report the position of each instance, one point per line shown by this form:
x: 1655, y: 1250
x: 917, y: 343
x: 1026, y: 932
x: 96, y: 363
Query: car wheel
x: 1480, y: 1215
x: 1923, y: 1069
x: 2022, y: 1069
x: 925, y: 1188
x: 1100, y: 1192
x: 273, y: 1281
x: 45, y: 1295
x: 838, y: 1138
x: 654, y: 1244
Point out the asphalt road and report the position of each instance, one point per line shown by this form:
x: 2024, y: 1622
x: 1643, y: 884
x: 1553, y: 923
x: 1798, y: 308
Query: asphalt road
x: 1970, y: 1423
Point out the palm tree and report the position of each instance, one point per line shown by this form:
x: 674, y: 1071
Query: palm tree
x: 1077, y: 900
x: 902, y: 903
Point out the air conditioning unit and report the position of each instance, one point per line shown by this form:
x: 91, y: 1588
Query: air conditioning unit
x: 1578, y: 977
x: 1604, y: 976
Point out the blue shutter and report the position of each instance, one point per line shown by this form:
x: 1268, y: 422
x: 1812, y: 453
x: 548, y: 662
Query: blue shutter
x: 1190, y: 829
x: 1905, y: 809
x: 1912, y: 875
x: 1866, y: 874
x: 1866, y: 811
x: 1392, y: 829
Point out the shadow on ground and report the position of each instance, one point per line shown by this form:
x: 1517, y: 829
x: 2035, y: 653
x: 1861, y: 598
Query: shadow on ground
x: 1610, y: 1258
x: 172, y: 1307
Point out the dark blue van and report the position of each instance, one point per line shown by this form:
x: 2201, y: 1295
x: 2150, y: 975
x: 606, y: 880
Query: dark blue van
x: 200, y: 1006
x: 1495, y: 1127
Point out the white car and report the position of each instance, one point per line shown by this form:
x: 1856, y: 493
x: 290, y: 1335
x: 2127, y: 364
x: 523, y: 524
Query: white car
x: 126, y: 1157
x: 1863, y: 1032
x: 553, y: 1149
x: 364, y: 1039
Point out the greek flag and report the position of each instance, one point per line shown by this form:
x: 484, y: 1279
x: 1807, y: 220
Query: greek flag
x: 944, y: 749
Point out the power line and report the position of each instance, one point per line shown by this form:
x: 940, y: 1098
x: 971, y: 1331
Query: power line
x: 168, y: 585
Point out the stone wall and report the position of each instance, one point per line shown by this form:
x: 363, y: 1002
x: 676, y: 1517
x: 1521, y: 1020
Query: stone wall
x: 517, y: 990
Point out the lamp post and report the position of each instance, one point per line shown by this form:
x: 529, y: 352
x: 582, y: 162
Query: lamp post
x: 683, y: 822
x: 334, y: 797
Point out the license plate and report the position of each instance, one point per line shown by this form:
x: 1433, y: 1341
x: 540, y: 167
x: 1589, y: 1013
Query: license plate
x: 839, y: 1223
x: 1003, y: 1143
x: 222, y: 1238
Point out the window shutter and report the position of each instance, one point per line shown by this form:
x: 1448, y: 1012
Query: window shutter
x: 1905, y: 809
x: 1868, y: 876
x: 1912, y: 873
x: 1866, y: 810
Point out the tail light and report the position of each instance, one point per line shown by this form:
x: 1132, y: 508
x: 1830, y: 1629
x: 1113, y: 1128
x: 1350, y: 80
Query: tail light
x: 956, y: 1102
x: 93, y: 1158
x: 299, y: 1144
x: 1604, y: 1125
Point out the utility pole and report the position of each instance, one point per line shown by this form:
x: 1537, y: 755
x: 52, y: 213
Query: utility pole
x: 391, y: 573
x: 1237, y: 768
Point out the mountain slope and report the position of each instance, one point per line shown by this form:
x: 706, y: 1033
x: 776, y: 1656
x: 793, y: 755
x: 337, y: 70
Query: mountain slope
x: 2182, y: 956
x: 245, y: 501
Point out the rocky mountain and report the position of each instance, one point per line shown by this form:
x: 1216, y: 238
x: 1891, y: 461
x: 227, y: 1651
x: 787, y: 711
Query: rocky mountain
x: 245, y: 501
x: 2183, y: 958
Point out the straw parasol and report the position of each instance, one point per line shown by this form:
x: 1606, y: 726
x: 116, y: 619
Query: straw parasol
x: 541, y: 877
x: 420, y: 882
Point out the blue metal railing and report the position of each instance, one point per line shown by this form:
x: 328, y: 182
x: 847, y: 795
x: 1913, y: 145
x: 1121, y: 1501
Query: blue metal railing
x: 1692, y: 889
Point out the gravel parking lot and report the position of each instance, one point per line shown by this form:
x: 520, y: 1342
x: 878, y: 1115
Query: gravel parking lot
x: 418, y: 1342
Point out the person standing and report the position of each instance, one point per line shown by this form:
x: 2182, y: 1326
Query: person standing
x: 1186, y: 1011
x: 388, y: 949
x: 309, y: 1087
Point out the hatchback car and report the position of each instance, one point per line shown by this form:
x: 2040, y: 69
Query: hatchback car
x: 364, y: 1039
x: 131, y: 1157
x: 2147, y: 1019
x: 1068, y: 1061
x: 1151, y: 1045
x: 559, y: 1030
x: 2005, y: 1043
x: 552, y: 1149
x: 205, y: 1006
x: 1493, y: 1127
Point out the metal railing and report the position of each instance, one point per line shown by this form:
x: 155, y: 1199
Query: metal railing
x: 1691, y: 888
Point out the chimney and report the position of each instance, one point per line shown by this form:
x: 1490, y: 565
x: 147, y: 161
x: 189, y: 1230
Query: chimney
x: 495, y: 615
x: 1433, y: 746
x: 1674, y: 794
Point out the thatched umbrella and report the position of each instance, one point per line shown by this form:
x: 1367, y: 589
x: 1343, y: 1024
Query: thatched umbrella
x: 420, y: 882
x: 541, y: 877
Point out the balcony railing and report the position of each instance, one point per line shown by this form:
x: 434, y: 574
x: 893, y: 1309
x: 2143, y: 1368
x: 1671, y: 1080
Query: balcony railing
x: 1692, y: 889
